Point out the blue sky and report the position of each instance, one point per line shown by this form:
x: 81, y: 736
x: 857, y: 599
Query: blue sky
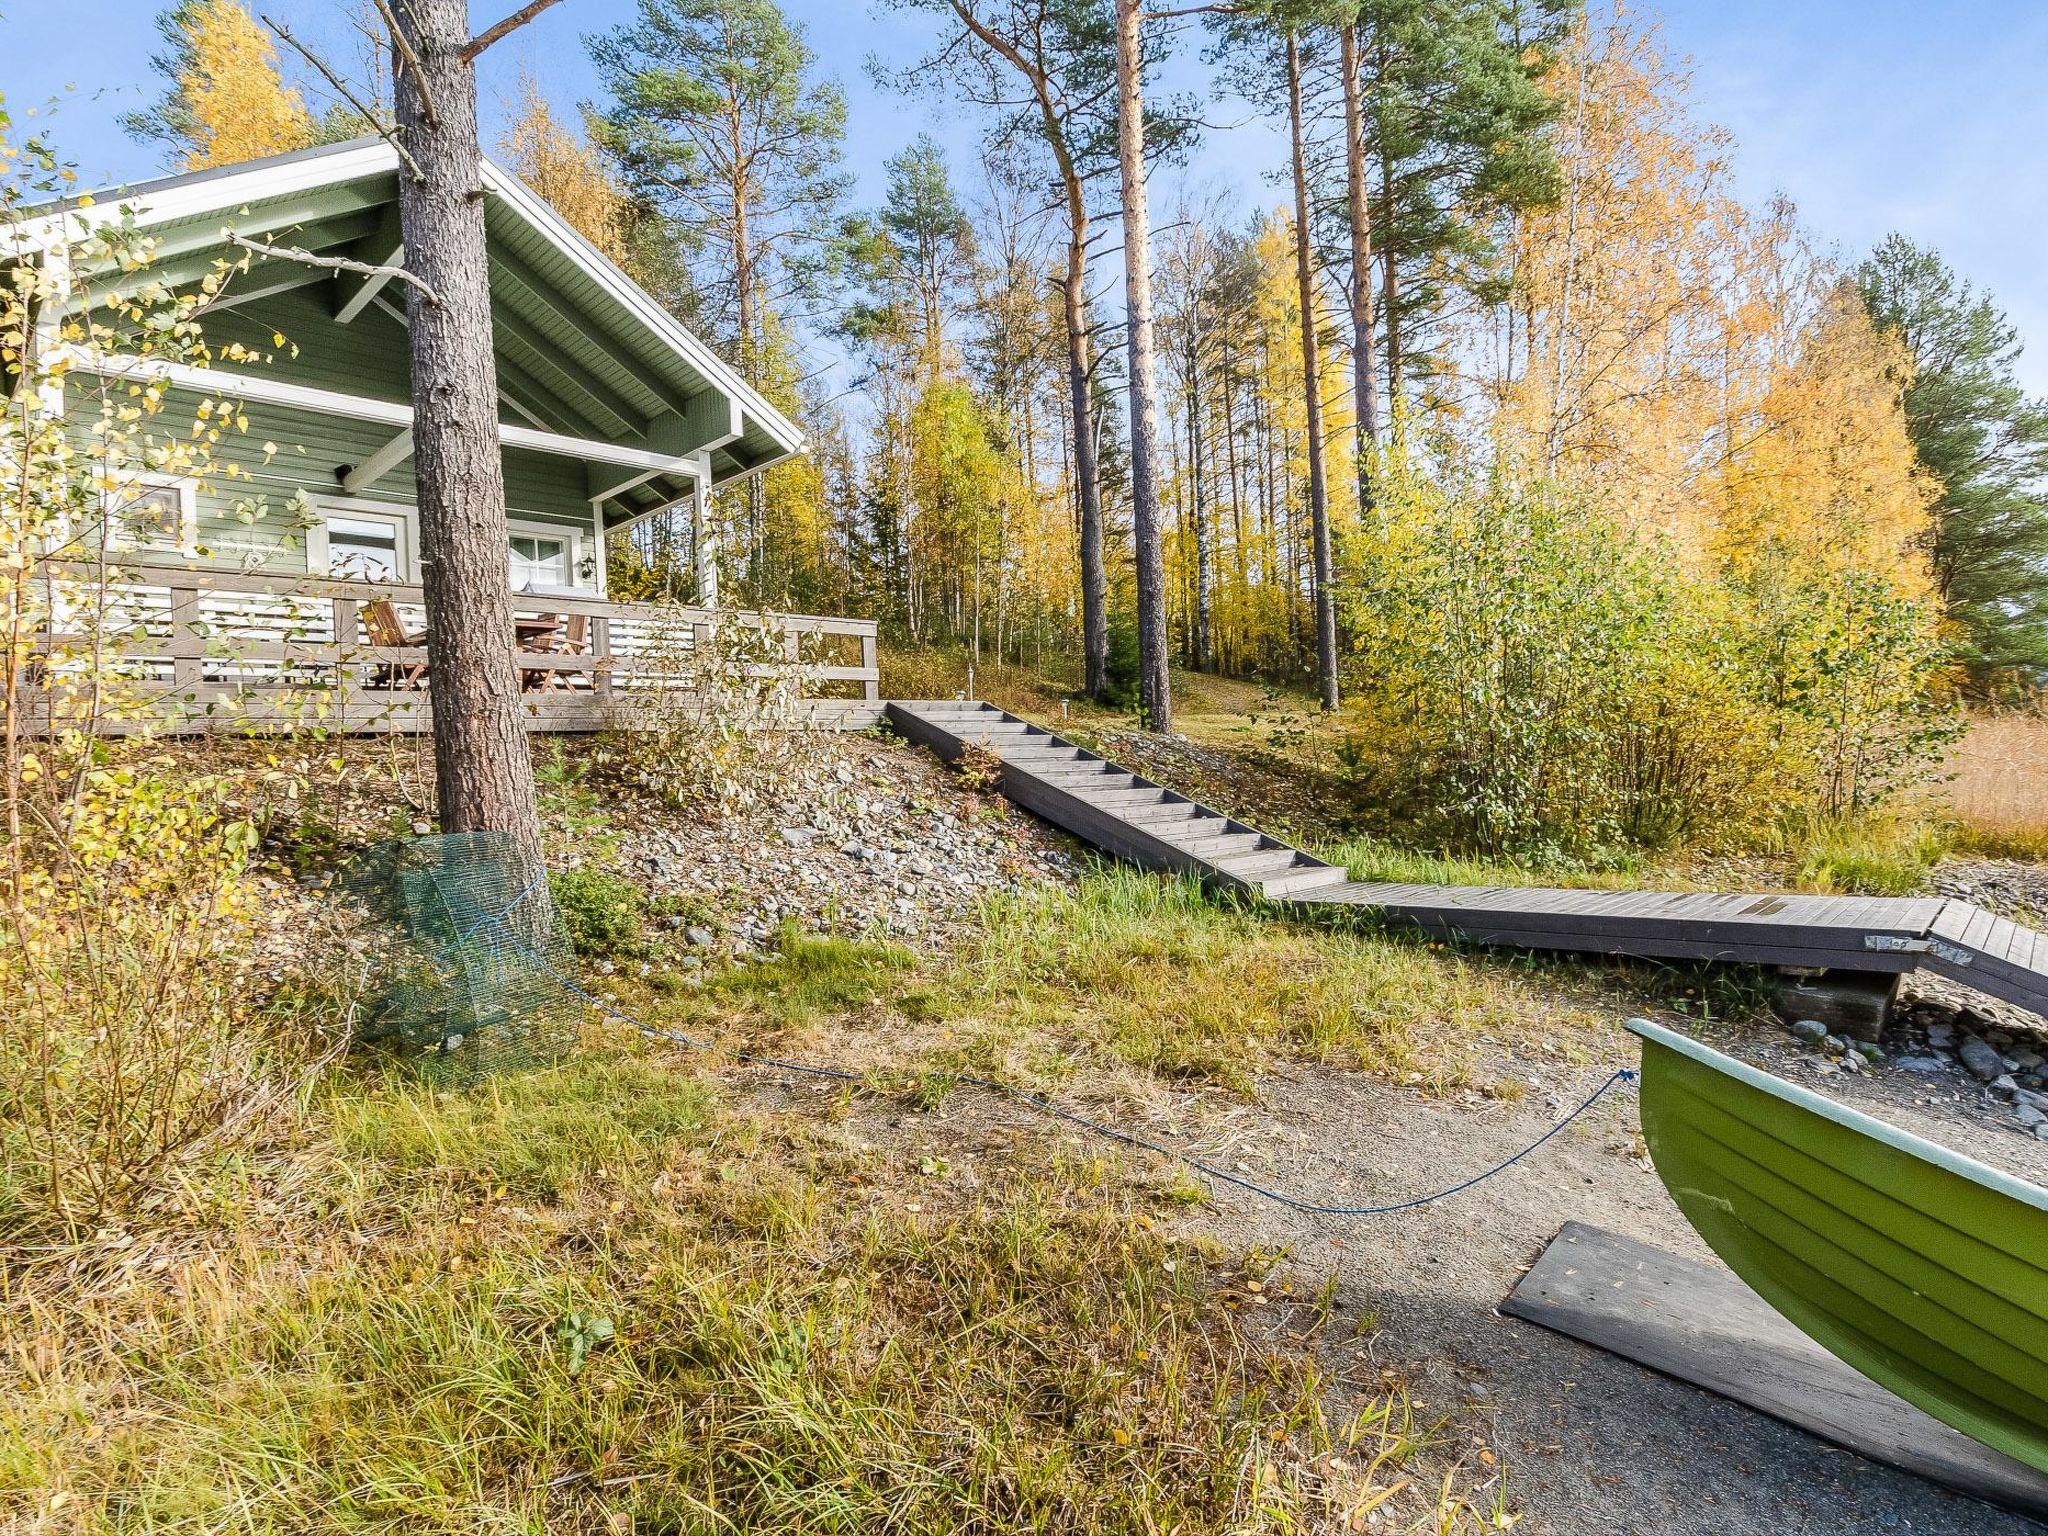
x: 1872, y: 115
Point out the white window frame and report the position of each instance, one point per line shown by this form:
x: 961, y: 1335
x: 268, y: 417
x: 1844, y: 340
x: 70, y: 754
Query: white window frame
x: 407, y: 517
x: 572, y: 534
x: 121, y: 537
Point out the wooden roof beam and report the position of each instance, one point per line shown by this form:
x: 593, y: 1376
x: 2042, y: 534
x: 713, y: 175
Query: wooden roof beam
x: 385, y: 249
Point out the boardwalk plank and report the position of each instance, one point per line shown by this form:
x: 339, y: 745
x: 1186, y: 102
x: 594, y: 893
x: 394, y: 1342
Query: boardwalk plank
x: 1131, y: 817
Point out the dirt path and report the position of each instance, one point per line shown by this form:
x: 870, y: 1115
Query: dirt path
x: 1593, y: 1445
x: 1590, y: 1444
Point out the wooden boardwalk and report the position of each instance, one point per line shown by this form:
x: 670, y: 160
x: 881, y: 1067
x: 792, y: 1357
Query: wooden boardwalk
x: 1149, y: 825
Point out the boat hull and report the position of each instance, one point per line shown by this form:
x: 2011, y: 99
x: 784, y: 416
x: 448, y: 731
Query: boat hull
x: 1923, y: 1269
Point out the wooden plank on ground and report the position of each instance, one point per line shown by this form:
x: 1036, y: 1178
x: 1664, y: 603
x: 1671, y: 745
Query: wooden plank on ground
x: 1700, y: 1324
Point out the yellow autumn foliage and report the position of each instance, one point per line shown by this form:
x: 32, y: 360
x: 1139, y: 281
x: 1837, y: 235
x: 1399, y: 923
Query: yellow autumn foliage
x: 1687, y: 359
x: 241, y: 107
x: 564, y: 169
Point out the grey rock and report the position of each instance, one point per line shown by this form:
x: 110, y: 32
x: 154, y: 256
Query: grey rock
x: 698, y: 936
x: 2032, y: 1097
x: 1918, y: 1064
x: 2029, y: 1117
x: 798, y: 837
x: 1982, y: 1061
x: 2003, y: 1086
x: 1812, y: 1031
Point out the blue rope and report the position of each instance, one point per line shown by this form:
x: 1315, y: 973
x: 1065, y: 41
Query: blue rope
x: 1045, y: 1106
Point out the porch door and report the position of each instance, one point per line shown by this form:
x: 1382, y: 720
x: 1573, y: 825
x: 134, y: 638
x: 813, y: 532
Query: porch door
x: 368, y: 546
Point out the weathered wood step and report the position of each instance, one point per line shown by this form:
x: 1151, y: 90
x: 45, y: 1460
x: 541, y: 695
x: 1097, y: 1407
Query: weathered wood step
x: 1169, y: 813
x: 1082, y: 773
x: 1261, y: 863
x: 1210, y: 846
x: 1308, y: 877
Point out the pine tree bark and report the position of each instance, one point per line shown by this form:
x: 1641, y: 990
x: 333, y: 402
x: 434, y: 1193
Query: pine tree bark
x: 1155, y: 687
x: 1364, y: 338
x: 1087, y: 477
x: 1322, y: 574
x: 482, y: 766
x: 1080, y: 363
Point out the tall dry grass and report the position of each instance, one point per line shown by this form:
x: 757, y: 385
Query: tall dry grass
x: 1998, y: 790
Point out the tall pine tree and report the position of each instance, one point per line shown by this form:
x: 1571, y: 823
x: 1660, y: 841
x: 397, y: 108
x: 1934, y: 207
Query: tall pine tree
x: 1986, y: 443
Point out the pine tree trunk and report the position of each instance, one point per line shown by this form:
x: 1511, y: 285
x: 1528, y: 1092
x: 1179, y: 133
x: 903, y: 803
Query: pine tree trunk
x: 1323, y: 575
x: 1390, y: 292
x: 1155, y: 688
x: 1203, y: 646
x: 1364, y: 340
x: 482, y: 766
x: 1087, y: 478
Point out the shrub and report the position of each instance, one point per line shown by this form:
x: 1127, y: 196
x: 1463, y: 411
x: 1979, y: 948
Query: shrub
x: 727, y: 723
x: 1538, y: 682
x: 605, y: 913
x: 131, y: 1046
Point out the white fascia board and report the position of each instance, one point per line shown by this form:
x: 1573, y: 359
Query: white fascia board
x: 224, y: 192
x: 187, y: 197
x: 391, y: 413
x: 714, y: 368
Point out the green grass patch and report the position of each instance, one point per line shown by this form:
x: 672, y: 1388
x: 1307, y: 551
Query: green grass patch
x: 1156, y: 974
x: 736, y: 1326
x: 1373, y: 859
x: 1878, y: 857
x: 538, y: 1133
x: 811, y: 975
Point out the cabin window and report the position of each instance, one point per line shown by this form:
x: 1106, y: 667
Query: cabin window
x: 156, y: 515
x: 541, y: 560
x: 366, y: 548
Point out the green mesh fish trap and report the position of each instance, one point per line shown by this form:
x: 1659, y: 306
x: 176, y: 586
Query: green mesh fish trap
x: 470, y: 978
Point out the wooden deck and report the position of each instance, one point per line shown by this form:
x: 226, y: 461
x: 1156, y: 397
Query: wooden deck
x: 199, y: 649
x: 1149, y: 825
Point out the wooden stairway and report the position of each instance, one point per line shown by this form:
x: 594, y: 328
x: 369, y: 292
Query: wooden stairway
x: 1117, y: 811
x: 1151, y: 826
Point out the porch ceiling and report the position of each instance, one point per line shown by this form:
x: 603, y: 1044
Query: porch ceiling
x: 581, y: 353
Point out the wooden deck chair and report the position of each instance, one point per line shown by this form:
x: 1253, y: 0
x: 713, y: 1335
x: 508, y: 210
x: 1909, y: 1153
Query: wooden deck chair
x: 571, y: 638
x: 387, y: 629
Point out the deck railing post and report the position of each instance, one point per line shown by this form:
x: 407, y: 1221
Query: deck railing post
x: 188, y: 646
x: 601, y: 657
x: 347, y: 629
x: 871, y: 664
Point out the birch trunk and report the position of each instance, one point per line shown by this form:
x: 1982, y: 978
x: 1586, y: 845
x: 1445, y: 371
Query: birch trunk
x: 482, y: 767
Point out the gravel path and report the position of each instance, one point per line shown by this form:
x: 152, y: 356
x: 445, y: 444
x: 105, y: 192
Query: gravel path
x: 1592, y: 1444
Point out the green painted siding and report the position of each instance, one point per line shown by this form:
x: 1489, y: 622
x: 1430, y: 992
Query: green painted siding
x: 246, y: 520
x: 365, y: 357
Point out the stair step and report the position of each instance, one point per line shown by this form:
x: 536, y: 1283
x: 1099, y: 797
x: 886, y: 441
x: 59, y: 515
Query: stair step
x: 1151, y: 819
x: 1257, y: 864
x: 1210, y: 846
x: 1083, y: 782
x: 1137, y: 798
x: 1308, y: 877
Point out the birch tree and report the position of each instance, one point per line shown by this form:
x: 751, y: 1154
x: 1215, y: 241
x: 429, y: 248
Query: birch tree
x: 1048, y: 69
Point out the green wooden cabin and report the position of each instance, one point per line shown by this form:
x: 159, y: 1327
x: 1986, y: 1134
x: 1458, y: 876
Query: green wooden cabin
x: 610, y: 412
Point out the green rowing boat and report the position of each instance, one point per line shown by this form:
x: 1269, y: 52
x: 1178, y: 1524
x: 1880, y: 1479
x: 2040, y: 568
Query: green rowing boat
x: 1925, y: 1270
